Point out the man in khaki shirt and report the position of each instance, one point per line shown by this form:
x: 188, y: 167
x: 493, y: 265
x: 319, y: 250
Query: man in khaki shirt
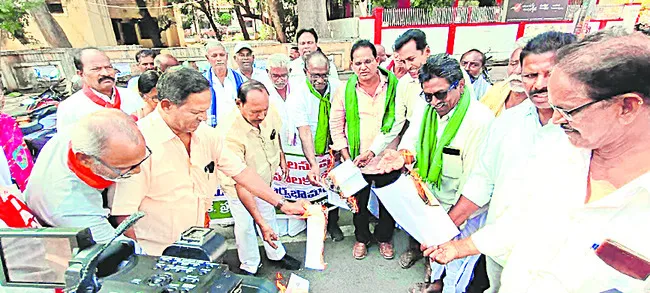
x: 253, y: 136
x: 176, y: 184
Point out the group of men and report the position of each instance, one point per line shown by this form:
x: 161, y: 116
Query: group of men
x: 508, y: 183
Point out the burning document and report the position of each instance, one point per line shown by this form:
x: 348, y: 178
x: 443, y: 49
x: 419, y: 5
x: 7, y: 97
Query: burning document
x: 428, y: 223
x: 316, y: 223
x: 347, y: 178
x: 297, y: 284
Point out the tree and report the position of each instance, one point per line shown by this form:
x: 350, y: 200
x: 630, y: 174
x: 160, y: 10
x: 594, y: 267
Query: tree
x: 313, y: 13
x: 49, y: 27
x: 276, y: 11
x: 203, y: 6
x: 224, y: 19
x: 14, y: 17
x: 246, y: 6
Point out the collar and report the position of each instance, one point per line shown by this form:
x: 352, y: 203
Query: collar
x: 161, y: 131
x: 243, y: 124
x: 85, y: 174
x: 383, y: 81
x: 103, y: 96
x: 215, y: 79
x: 451, y: 112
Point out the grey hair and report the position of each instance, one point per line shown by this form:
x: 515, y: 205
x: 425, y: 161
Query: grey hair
x: 159, y: 59
x: 177, y: 85
x: 278, y: 61
x: 609, y: 63
x: 90, y: 135
x: 520, y: 43
x: 214, y: 44
x: 317, y: 58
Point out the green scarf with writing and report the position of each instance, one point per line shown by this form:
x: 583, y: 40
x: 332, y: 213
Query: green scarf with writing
x: 429, y: 148
x: 322, y: 138
x: 352, y: 111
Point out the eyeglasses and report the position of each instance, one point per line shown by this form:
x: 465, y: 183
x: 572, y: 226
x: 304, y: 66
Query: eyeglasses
x: 441, y: 95
x: 128, y: 172
x: 567, y: 114
x: 319, y: 76
x: 277, y: 76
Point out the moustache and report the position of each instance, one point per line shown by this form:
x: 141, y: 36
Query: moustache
x: 440, y: 105
x: 566, y: 127
x: 103, y: 78
x: 536, y: 92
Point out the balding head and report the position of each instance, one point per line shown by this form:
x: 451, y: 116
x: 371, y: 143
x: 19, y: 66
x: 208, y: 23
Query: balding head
x: 165, y: 61
x: 108, y: 141
x: 316, y: 58
x: 381, y: 53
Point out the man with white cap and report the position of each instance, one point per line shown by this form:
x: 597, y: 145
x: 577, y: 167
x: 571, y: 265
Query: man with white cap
x: 245, y: 59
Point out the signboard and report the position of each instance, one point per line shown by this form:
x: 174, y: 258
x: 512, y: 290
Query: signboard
x: 295, y: 188
x: 538, y: 10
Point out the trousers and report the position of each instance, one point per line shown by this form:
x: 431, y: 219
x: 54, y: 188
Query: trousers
x: 385, y: 227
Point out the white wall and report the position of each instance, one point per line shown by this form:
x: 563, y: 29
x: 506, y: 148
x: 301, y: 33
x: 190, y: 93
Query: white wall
x: 367, y: 29
x: 494, y: 40
x: 345, y: 28
x: 533, y: 29
x: 436, y: 38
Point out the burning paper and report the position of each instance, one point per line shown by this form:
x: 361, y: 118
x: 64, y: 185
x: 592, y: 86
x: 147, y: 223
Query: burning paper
x: 347, y: 178
x: 316, y: 223
x: 297, y: 284
x: 428, y: 222
x: 278, y: 283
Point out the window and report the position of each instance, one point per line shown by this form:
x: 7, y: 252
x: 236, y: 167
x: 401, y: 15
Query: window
x: 55, y: 7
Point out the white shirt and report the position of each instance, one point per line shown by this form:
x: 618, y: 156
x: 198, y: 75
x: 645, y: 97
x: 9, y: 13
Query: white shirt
x: 79, y: 105
x: 133, y: 84
x: 286, y: 109
x: 551, y: 250
x: 307, y: 105
x: 468, y: 140
x: 481, y: 86
x: 297, y: 69
x: 226, y: 93
x: 510, y: 139
x: 60, y: 199
x: 258, y: 74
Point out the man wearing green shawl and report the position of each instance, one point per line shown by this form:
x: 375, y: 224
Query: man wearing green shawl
x: 361, y: 111
x: 445, y: 142
x: 311, y: 98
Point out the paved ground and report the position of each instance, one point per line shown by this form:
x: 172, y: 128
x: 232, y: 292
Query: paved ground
x: 343, y: 272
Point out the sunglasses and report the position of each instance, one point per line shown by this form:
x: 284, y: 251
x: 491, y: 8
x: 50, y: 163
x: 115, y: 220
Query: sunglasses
x: 128, y: 172
x: 441, y: 95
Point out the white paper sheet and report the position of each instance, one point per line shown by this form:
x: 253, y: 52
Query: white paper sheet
x: 335, y: 199
x: 429, y: 225
x: 297, y: 284
x: 316, y: 223
x: 348, y: 177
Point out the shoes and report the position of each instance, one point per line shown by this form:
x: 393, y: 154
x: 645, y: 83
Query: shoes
x: 245, y: 272
x: 409, y: 258
x: 336, y: 233
x: 360, y: 250
x: 386, y: 250
x: 426, y: 288
x: 287, y: 263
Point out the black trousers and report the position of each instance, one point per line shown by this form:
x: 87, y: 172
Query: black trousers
x: 332, y: 219
x: 386, y: 225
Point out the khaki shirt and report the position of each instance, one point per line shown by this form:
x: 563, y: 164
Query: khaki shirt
x: 258, y: 148
x: 174, y: 188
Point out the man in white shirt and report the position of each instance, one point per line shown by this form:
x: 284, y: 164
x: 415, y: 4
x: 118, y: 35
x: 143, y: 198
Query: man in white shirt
x: 279, y: 87
x: 145, y: 60
x: 308, y: 95
x: 224, y: 82
x: 446, y: 143
x: 98, y: 92
x: 70, y: 182
x: 473, y: 61
x: 499, y: 154
x: 581, y: 189
x: 245, y: 59
x: 307, y: 40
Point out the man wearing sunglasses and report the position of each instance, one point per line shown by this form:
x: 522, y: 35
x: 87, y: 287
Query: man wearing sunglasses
x: 445, y: 142
x: 70, y: 181
x: 510, y: 139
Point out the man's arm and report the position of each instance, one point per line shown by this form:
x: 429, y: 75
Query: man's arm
x: 252, y: 182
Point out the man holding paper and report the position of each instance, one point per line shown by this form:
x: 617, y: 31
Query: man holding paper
x: 445, y: 143
x: 312, y: 97
x: 361, y: 111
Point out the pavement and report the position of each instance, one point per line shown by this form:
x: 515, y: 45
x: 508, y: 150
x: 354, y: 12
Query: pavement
x: 343, y: 273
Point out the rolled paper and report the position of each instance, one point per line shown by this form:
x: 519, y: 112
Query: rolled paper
x: 316, y: 223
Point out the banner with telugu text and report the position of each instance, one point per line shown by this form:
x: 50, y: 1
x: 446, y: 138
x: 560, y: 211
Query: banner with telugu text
x: 296, y: 187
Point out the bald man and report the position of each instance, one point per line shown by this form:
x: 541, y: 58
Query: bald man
x: 165, y: 61
x: 69, y: 184
x: 99, y: 90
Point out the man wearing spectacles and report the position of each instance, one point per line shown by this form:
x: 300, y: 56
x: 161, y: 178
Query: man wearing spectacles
x: 473, y: 61
x: 177, y: 184
x: 98, y: 92
x: 307, y: 40
x: 70, y: 181
x: 313, y: 98
x: 445, y: 142
x: 362, y: 110
x: 510, y: 139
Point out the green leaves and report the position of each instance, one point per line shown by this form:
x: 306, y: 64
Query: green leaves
x: 14, y: 15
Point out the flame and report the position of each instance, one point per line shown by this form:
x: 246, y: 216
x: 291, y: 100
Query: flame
x: 423, y: 191
x: 306, y: 214
x: 408, y: 157
x: 278, y: 282
x: 352, y: 203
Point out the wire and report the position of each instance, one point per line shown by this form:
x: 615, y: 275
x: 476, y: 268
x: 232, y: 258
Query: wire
x: 138, y: 8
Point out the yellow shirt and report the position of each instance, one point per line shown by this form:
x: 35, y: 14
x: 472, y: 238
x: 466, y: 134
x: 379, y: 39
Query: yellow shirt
x: 496, y: 97
x: 371, y: 113
x: 173, y: 188
x: 258, y: 148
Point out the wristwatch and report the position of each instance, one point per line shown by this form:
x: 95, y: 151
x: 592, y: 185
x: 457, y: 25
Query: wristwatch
x: 280, y: 204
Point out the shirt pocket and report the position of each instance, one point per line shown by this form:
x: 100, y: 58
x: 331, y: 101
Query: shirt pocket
x: 452, y: 164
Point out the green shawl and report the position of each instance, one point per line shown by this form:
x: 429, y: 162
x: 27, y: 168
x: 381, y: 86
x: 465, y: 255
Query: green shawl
x: 429, y: 149
x: 322, y: 138
x: 352, y: 111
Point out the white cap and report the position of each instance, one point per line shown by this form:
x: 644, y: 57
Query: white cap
x: 242, y: 45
